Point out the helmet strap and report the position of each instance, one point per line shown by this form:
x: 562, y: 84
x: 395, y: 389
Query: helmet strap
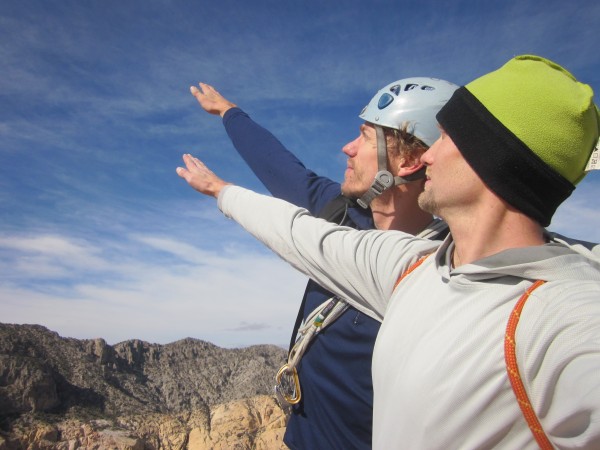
x: 418, y: 175
x: 384, y: 178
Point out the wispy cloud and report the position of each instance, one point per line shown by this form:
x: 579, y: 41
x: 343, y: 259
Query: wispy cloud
x: 245, y: 326
x: 153, y: 286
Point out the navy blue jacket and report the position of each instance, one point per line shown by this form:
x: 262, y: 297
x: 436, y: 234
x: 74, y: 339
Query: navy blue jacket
x: 335, y: 372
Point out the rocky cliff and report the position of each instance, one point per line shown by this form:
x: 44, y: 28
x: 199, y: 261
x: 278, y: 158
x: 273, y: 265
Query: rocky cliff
x: 64, y: 393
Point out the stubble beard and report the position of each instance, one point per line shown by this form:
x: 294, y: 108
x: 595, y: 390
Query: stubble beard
x: 427, y: 203
x: 350, y: 190
x: 350, y: 193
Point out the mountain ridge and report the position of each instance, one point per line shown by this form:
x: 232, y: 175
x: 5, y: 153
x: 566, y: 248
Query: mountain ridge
x: 53, y: 378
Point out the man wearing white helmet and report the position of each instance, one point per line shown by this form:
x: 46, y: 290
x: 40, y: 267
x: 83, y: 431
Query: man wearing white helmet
x: 331, y: 381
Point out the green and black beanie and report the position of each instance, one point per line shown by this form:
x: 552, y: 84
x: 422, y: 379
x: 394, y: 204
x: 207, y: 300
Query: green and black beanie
x: 528, y: 130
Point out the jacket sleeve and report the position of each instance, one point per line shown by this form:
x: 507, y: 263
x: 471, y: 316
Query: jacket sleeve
x: 359, y: 266
x: 282, y: 173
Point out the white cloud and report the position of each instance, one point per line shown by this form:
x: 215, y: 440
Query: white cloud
x: 47, y: 257
x: 226, y: 298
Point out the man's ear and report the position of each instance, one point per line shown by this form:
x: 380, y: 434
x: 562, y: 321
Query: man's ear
x: 407, y: 166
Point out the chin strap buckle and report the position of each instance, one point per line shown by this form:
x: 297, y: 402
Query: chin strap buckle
x: 383, y: 181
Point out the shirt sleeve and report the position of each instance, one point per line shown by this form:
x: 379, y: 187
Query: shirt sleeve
x: 282, y: 173
x: 359, y: 266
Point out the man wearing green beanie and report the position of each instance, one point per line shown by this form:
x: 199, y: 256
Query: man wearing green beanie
x: 523, y: 129
x: 491, y: 338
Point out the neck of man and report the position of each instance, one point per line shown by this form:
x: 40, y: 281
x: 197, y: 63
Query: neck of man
x: 397, y: 209
x: 483, y: 232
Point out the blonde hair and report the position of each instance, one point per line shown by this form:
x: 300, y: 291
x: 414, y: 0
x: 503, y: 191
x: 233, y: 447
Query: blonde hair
x: 401, y: 143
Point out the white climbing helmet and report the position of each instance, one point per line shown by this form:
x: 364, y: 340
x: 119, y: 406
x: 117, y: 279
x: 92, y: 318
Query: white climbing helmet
x: 411, y: 101
x: 414, y: 101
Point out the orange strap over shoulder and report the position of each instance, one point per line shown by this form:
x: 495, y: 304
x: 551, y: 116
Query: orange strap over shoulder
x: 510, y: 358
x: 410, y: 269
x: 514, y: 375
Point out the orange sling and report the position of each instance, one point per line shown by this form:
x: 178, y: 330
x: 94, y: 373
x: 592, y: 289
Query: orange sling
x: 514, y: 375
x: 510, y: 358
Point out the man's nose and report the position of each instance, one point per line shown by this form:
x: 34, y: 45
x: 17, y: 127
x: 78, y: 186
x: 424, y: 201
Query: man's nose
x: 426, y: 158
x: 350, y: 148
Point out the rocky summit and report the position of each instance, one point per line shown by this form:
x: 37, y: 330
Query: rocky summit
x: 64, y: 393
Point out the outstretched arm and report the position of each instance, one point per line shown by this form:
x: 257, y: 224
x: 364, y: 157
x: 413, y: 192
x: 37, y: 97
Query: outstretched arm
x: 338, y: 258
x: 282, y: 173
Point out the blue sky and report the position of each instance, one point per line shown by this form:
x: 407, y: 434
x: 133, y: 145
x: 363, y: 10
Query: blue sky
x: 100, y: 238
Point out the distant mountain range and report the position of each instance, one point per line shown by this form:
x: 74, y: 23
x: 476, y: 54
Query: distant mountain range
x: 52, y: 388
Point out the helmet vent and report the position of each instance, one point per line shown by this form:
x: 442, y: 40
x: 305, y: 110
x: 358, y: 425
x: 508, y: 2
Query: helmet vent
x: 384, y: 100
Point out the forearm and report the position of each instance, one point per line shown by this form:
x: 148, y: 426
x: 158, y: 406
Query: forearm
x: 282, y: 173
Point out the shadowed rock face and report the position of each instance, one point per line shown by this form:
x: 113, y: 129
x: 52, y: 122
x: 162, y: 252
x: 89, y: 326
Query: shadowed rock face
x: 53, y: 387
